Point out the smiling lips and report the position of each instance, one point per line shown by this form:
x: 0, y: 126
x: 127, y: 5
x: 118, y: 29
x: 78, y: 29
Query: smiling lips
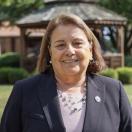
x: 70, y: 61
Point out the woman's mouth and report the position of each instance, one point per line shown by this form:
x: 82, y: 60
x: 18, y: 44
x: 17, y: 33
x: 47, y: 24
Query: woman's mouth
x: 70, y: 61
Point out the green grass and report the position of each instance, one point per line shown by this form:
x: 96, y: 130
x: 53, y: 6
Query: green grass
x: 6, y: 89
x: 4, y: 94
x: 128, y: 89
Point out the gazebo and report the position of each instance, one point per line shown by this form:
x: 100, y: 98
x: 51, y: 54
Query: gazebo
x: 99, y: 19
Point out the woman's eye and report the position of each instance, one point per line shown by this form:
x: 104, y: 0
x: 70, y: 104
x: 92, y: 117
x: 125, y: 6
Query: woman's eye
x: 60, y: 46
x: 78, y: 44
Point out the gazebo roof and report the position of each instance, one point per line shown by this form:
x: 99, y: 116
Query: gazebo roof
x: 90, y: 13
x: 89, y: 1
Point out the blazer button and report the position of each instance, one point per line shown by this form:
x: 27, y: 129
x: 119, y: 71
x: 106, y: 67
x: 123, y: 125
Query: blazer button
x: 97, y: 99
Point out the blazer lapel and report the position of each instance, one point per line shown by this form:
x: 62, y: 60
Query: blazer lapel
x: 50, y: 103
x: 95, y: 100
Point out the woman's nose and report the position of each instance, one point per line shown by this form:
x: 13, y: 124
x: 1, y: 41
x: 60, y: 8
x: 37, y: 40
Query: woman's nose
x: 70, y: 50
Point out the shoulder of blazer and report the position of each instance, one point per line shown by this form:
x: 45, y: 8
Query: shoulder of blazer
x: 112, y: 86
x: 31, y: 83
x: 105, y: 80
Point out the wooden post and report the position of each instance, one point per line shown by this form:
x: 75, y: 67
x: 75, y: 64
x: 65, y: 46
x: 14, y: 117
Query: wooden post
x: 120, y: 42
x: 23, y: 45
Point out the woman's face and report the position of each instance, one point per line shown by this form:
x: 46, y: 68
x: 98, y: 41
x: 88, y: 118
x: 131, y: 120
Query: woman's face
x: 70, y: 51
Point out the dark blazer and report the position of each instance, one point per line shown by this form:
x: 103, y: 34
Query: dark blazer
x: 33, y: 106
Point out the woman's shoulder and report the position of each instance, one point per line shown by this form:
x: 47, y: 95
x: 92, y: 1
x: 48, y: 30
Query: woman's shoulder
x: 112, y: 86
x: 105, y: 80
x: 32, y: 81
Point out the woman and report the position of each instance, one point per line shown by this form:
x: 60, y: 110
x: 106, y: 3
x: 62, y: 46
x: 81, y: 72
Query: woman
x: 67, y: 95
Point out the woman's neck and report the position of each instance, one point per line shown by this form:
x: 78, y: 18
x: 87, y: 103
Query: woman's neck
x: 74, y: 84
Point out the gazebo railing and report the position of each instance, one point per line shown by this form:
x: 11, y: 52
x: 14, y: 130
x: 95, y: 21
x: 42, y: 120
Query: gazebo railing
x: 113, y: 60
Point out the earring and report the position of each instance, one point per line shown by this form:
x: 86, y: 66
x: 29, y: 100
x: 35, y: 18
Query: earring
x: 50, y: 62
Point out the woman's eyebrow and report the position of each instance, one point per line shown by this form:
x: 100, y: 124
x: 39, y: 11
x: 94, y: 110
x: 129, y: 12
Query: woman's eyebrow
x: 58, y: 41
x: 78, y: 39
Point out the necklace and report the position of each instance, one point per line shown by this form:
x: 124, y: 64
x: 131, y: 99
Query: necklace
x: 73, y: 102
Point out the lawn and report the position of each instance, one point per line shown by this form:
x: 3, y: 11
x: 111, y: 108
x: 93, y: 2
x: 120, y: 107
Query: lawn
x: 6, y: 89
x: 128, y: 89
x: 4, y: 94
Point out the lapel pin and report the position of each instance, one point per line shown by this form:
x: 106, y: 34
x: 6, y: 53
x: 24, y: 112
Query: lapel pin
x: 97, y: 99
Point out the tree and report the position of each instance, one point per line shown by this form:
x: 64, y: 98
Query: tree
x: 123, y: 7
x: 14, y: 9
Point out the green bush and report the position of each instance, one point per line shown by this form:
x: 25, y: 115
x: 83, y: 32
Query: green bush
x: 11, y: 75
x: 4, y: 75
x: 17, y: 74
x: 10, y: 59
x: 125, y: 74
x: 128, y: 61
x: 110, y: 73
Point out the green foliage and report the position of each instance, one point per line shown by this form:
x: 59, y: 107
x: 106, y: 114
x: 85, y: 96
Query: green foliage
x: 110, y: 73
x: 123, y: 7
x: 10, y: 59
x: 4, y: 75
x: 10, y: 75
x: 125, y: 75
x: 128, y: 61
x: 15, y: 9
x: 16, y: 74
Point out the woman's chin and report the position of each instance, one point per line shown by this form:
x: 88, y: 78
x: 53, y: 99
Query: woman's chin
x: 72, y: 71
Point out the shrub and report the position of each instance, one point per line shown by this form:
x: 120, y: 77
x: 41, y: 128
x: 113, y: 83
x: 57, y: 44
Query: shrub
x: 110, y: 73
x: 10, y: 59
x: 125, y: 75
x: 4, y: 75
x: 17, y: 74
x: 128, y: 61
x: 11, y: 75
